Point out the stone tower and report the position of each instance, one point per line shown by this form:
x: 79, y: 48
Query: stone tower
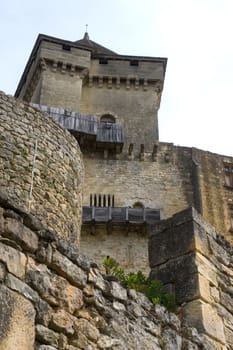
x: 86, y: 77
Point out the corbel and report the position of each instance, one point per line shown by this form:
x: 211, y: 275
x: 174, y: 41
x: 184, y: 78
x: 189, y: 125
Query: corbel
x: 109, y: 82
x: 63, y: 68
x: 118, y: 83
x: 100, y: 82
x: 142, y: 152
x: 145, y: 85
x: 54, y: 66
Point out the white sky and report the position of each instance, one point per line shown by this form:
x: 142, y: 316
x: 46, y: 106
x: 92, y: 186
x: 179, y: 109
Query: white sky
x: 195, y: 35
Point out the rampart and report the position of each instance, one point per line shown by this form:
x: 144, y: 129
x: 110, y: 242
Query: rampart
x: 54, y: 298
x: 41, y: 166
x: 195, y: 262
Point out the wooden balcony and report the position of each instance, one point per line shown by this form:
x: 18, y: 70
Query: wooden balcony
x: 89, y: 132
x: 120, y: 215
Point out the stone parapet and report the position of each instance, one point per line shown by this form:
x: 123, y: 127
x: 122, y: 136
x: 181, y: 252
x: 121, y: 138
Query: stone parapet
x: 195, y: 262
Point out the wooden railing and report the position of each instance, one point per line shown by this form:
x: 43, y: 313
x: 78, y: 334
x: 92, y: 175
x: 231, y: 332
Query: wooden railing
x: 120, y: 215
x: 85, y: 124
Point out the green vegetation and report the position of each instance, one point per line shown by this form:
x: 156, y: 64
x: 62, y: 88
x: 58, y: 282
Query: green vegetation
x: 153, y: 289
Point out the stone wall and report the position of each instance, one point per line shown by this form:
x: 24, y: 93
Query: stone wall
x: 165, y: 183
x: 216, y: 196
x: 171, y: 180
x: 41, y: 166
x: 195, y: 262
x: 54, y: 298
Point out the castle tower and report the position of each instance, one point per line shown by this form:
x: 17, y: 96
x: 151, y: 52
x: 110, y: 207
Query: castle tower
x: 83, y: 76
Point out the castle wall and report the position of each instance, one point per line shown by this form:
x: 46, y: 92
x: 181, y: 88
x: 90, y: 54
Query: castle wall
x: 195, y: 262
x: 165, y: 183
x: 127, y: 245
x: 41, y: 167
x: 60, y: 89
x: 54, y: 298
x: 135, y: 110
x: 216, y: 196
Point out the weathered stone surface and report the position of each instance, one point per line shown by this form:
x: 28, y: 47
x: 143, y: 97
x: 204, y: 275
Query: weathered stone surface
x: 46, y: 335
x: 16, y: 322
x: 2, y: 271
x: 74, y: 254
x: 104, y: 315
x: 117, y: 291
x: 176, y: 241
x: 87, y: 329
x: 67, y: 269
x: 14, y: 229
x: 106, y: 342
x: 16, y: 284
x: 62, y: 321
x: 205, y: 318
x: 43, y: 312
x: 227, y: 301
x: 47, y: 347
x: 27, y: 134
x: 14, y: 260
x: 171, y: 340
x: 56, y: 290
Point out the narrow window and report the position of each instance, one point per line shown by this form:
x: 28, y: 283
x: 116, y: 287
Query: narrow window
x: 228, y: 171
x: 231, y: 218
x: 66, y: 47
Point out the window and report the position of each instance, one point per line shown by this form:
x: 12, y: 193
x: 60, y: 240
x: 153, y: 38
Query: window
x: 102, y: 200
x: 66, y: 47
x: 138, y: 205
x: 103, y: 60
x: 231, y: 218
x: 228, y: 171
x: 133, y: 63
x: 107, y: 118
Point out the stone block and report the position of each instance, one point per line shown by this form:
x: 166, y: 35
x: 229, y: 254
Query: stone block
x: 15, y: 230
x: 55, y: 290
x: 47, y: 347
x: 87, y: 329
x: 16, y: 322
x: 219, y: 252
x: 69, y: 270
x: 14, y: 260
x: 171, y: 270
x: 176, y: 241
x: 16, y: 284
x: 205, y: 318
x: 46, y: 335
x: 227, y: 301
x: 117, y: 291
x: 2, y: 271
x: 62, y: 321
x: 207, y: 269
x: 73, y: 253
x: 229, y: 336
x: 172, y: 340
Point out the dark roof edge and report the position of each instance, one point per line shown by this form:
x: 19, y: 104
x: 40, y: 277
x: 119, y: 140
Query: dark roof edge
x: 74, y: 44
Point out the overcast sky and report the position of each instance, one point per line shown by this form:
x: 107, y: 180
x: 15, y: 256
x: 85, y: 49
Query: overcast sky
x: 195, y: 35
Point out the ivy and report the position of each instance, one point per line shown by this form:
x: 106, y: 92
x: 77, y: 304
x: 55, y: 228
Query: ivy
x: 153, y: 289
